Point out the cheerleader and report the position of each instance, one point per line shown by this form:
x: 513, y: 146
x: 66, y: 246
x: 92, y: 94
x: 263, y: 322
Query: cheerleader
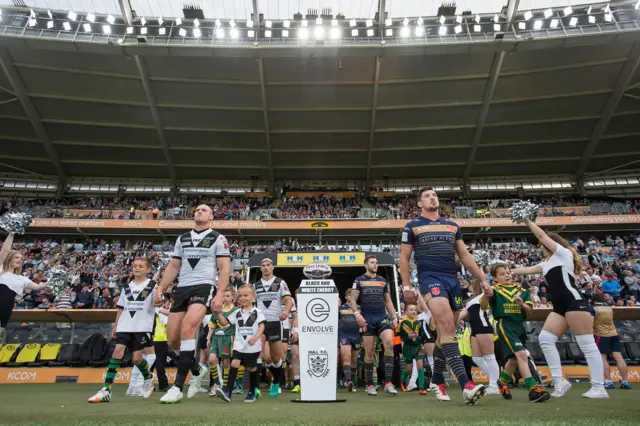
x: 570, y: 310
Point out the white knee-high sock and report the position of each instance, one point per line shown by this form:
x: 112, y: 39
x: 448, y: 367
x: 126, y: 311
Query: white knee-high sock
x: 136, y: 377
x: 493, y: 369
x: 414, y: 373
x: 481, y: 363
x: 592, y: 355
x: 548, y: 345
x: 430, y: 360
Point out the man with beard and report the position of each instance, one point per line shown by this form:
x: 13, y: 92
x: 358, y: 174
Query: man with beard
x: 436, y: 241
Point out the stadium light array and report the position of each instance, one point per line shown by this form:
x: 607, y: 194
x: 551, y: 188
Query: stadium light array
x: 352, y: 23
x: 477, y: 19
x: 49, y: 24
x: 196, y: 23
x: 286, y: 24
x: 442, y: 20
x: 162, y: 31
x: 92, y: 18
x: 405, y: 32
x: 548, y: 13
x: 608, y: 17
x: 32, y: 14
x: 419, y: 31
x: 66, y: 26
x: 405, y: 22
x: 182, y: 32
x: 369, y: 22
x: 106, y: 29
x: 319, y: 33
x: 567, y: 11
x: 144, y: 30
x: 130, y: 30
x: 388, y: 32
x: 111, y: 20
x: 459, y: 19
x: 234, y: 33
x: 267, y: 34
x: 318, y: 20
x: 442, y: 30
x: 285, y: 33
x: 160, y: 21
x: 388, y: 22
x: 554, y: 23
x: 528, y: 15
x: 496, y: 18
x: 232, y: 23
x: 457, y: 29
x: 179, y: 21
x: 303, y: 33
x: 220, y: 32
x: 354, y: 33
x: 573, y: 22
x: 72, y: 15
x: 370, y: 32
x: 522, y: 25
x: 304, y: 23
x: 477, y: 28
x: 33, y: 22
x: 537, y: 25
x: 334, y: 33
x: 497, y: 27
x: 592, y: 19
x: 197, y: 32
x: 86, y: 28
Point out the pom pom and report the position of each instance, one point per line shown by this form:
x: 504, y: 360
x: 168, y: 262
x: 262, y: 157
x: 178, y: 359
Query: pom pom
x: 58, y: 279
x: 481, y: 257
x: 522, y: 210
x: 163, y: 261
x: 15, y: 222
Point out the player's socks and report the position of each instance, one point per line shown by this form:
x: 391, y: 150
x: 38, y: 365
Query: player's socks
x: 283, y: 376
x: 548, y: 345
x: 421, y: 378
x: 276, y: 369
x: 144, y: 369
x: 253, y: 381
x: 368, y: 373
x: 347, y: 373
x: 439, y: 364
x: 214, y: 379
x: 530, y: 383
x: 452, y: 355
x: 195, y: 366
x: 493, y: 369
x: 405, y: 375
x: 225, y: 376
x: 185, y: 362
x: 388, y: 368
x: 428, y: 374
x: 259, y: 373
x: 233, y: 373
x: 481, y: 363
x: 112, y: 369
x: 136, y: 377
x: 430, y: 361
x: 505, y: 379
x: 592, y: 355
x: 296, y: 380
x: 240, y: 379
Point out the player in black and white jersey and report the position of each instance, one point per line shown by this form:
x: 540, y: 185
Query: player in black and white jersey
x: 271, y: 293
x: 201, y: 262
x: 570, y: 310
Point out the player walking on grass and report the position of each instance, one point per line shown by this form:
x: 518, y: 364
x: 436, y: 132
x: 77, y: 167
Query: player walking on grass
x: 249, y: 326
x: 271, y: 293
x: 410, y: 331
x: 510, y: 305
x: 371, y: 292
x: 133, y: 329
x: 435, y: 242
x: 349, y: 341
x: 221, y: 338
x: 570, y: 310
x: 201, y: 258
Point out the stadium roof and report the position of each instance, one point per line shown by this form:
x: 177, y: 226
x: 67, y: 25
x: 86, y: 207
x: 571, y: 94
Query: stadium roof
x: 511, y: 108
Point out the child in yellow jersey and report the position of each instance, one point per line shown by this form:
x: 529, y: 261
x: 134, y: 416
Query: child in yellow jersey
x: 410, y: 331
x: 510, y: 305
x: 221, y: 338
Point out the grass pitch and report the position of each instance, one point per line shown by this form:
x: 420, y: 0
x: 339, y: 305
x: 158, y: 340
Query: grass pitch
x: 66, y: 404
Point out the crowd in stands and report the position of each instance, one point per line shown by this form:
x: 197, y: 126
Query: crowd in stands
x: 240, y: 208
x: 99, y: 269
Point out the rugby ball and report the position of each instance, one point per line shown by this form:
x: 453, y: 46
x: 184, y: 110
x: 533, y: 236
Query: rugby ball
x: 316, y: 271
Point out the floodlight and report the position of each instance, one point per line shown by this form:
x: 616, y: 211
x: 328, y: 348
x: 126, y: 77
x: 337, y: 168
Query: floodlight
x: 66, y: 26
x: 197, y: 32
x: 91, y: 17
x: 442, y: 20
x: 419, y: 31
x: 285, y: 33
x: 33, y: 22
x: 303, y: 33
x: 354, y: 33
x: 554, y: 23
x: 369, y: 22
x: 162, y: 31
x: 319, y: 33
x: 304, y: 23
x: 220, y: 32
x: 286, y: 24
x: 477, y: 28
x: 143, y: 21
x: 405, y: 21
x: 388, y: 32
x: 573, y: 22
x: 160, y: 21
x: 528, y: 15
x: 234, y: 33
x: 86, y: 28
x: 457, y: 29
x: 318, y: 20
x: 50, y: 14
x: 334, y: 33
x: 548, y: 13
x: 49, y: 24
x: 420, y: 21
x: 267, y: 33
x: 232, y: 23
x: 268, y: 24
x: 388, y: 22
x: 72, y: 15
x: 496, y: 18
x: 568, y: 11
x: 251, y: 33
x: 249, y: 23
x: 442, y: 30
x: 537, y: 25
x: 405, y: 32
x: 334, y: 22
x: 106, y: 29
x: 352, y: 23
x: 111, y: 19
x: 497, y: 27
x: 196, y: 23
x: 182, y: 32
x: 178, y: 21
x: 459, y: 19
x: 370, y: 32
x: 592, y: 19
x: 32, y: 14
x: 477, y: 19
x: 218, y: 23
x: 608, y: 17
x: 130, y: 30
x: 144, y: 30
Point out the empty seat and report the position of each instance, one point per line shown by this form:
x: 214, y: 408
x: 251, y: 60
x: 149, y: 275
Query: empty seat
x: 562, y: 350
x: 536, y: 352
x: 63, y: 337
x: 633, y: 351
x: 575, y: 353
x: 19, y: 337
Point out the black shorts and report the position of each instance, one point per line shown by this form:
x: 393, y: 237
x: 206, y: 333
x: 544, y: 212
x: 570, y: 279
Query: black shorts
x: 430, y: 336
x: 183, y: 297
x: 286, y: 335
x: 202, y: 338
x: 479, y: 321
x: 249, y: 360
x: 134, y: 341
x: 7, y: 300
x: 274, y: 332
x: 608, y: 345
x: 566, y: 300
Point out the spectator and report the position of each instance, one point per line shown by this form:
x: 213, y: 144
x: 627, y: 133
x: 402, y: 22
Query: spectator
x: 85, y: 299
x: 544, y: 303
x: 236, y: 279
x: 632, y: 284
x: 66, y: 299
x: 595, y: 260
x: 608, y: 300
x: 104, y: 300
x: 610, y: 286
x: 45, y: 304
